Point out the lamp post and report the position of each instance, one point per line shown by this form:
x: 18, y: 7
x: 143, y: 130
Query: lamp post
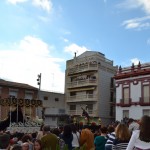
x: 39, y: 83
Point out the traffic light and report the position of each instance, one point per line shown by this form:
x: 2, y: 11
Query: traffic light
x: 39, y: 79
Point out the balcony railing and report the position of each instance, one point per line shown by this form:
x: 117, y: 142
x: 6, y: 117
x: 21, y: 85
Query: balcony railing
x: 86, y: 97
x: 81, y: 83
x: 79, y: 112
x: 144, y: 101
x: 82, y: 68
x: 125, y: 102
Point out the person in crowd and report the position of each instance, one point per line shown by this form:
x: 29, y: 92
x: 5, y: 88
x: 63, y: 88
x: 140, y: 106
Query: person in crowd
x: 67, y: 136
x: 4, y: 140
x: 87, y: 139
x: 25, y: 146
x: 49, y: 140
x: 140, y: 139
x: 76, y: 137
x: 40, y: 133
x: 110, y: 136
x: 101, y: 139
x: 28, y: 139
x: 133, y: 125
x: 37, y: 145
x: 122, y: 134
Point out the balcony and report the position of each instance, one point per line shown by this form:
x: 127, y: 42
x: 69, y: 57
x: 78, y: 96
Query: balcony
x: 83, y: 68
x: 81, y: 83
x: 144, y: 101
x: 125, y: 102
x: 79, y: 98
x: 79, y: 112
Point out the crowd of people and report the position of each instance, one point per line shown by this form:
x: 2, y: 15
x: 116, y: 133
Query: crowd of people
x: 130, y: 135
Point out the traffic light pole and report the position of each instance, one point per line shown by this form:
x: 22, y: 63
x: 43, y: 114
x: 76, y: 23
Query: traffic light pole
x: 39, y: 83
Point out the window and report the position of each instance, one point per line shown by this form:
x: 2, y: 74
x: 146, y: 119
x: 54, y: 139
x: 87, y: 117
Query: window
x: 56, y: 99
x: 62, y: 111
x: 146, y: 93
x: 72, y: 93
x: 126, y: 95
x: 13, y: 93
x: 28, y: 95
x: 125, y: 113
x: 72, y: 107
x: 146, y: 112
x: 45, y: 97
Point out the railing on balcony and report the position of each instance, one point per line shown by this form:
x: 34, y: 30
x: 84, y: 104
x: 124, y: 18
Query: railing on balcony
x: 82, y: 68
x: 144, y: 101
x: 79, y: 83
x: 85, y: 97
x: 126, y: 102
x: 79, y: 112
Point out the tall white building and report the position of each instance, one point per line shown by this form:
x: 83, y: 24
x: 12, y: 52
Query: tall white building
x: 133, y: 91
x: 89, y: 82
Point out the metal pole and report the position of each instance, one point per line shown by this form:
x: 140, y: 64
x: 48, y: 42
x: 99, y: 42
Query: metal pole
x: 40, y: 75
x: 10, y: 111
x: 17, y: 111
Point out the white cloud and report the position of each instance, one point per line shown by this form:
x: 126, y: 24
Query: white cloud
x: 44, y: 4
x: 135, y: 61
x: 29, y: 57
x: 16, y: 1
x: 137, y: 23
x: 132, y: 4
x: 145, y: 4
x: 72, y: 48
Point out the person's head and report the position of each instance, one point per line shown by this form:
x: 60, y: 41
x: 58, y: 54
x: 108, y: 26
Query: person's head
x: 25, y: 146
x: 103, y: 130
x: 26, y: 138
x: 145, y: 129
x: 67, y: 130
x: 122, y: 132
x: 4, y: 140
x: 130, y: 121
x: 73, y: 128
x: 46, y: 129
x: 37, y: 145
x: 56, y: 131
x: 110, y: 129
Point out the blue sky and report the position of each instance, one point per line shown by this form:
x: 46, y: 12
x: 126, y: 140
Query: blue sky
x: 38, y: 36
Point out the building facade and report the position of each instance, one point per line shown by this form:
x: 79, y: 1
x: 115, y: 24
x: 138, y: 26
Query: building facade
x: 89, y: 85
x: 133, y: 91
x: 53, y: 111
x: 15, y: 95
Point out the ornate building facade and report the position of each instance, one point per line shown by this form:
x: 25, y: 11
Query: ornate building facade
x: 133, y: 91
x: 18, y: 96
x: 89, y: 85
